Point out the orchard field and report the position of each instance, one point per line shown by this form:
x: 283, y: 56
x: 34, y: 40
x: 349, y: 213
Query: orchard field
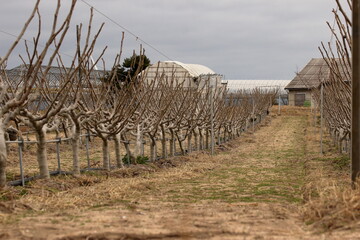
x: 271, y: 184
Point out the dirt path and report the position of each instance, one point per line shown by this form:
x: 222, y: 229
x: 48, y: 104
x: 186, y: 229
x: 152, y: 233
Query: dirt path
x: 252, y: 191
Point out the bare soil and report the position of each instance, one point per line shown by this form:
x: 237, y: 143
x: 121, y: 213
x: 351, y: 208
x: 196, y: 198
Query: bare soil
x: 252, y: 188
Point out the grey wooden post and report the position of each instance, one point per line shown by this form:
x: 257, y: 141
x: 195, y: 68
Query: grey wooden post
x: 20, y: 146
x: 355, y: 125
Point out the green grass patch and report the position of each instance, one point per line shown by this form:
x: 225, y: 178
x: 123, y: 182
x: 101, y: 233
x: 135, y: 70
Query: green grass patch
x: 342, y: 162
x: 338, y: 162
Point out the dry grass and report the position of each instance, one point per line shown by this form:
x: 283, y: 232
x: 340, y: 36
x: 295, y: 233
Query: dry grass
x: 101, y: 188
x: 334, y: 207
x: 329, y: 201
x: 255, y: 181
x: 252, y: 178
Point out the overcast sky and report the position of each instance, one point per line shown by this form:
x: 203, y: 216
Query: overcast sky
x: 240, y: 39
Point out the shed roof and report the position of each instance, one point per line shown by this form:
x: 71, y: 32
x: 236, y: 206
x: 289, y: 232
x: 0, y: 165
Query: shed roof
x: 194, y: 70
x: 311, y: 75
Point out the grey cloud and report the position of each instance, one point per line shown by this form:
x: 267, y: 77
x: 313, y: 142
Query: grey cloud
x: 237, y: 38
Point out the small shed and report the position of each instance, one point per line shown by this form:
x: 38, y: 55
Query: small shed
x: 192, y: 74
x: 307, y: 79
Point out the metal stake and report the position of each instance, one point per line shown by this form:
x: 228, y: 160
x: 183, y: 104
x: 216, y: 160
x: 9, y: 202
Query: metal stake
x: 322, y: 117
x: 87, y: 149
x: 128, y: 153
x: 20, y: 146
x: 58, y: 154
x: 253, y: 114
x: 279, y: 112
x: 212, y: 120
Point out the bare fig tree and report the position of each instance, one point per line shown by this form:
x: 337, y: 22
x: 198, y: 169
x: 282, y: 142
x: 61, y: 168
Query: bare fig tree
x: 14, y: 92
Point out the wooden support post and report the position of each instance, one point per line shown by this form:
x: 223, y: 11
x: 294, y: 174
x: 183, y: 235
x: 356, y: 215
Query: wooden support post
x: 355, y: 126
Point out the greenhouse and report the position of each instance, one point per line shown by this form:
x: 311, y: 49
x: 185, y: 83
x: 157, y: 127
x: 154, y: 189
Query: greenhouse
x: 248, y: 85
x: 193, y: 74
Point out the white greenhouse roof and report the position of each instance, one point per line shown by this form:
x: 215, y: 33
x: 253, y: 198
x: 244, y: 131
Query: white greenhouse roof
x: 194, y: 70
x: 234, y: 85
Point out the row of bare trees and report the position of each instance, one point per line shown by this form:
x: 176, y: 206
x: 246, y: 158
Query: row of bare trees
x: 334, y: 92
x: 30, y: 97
x: 78, y: 100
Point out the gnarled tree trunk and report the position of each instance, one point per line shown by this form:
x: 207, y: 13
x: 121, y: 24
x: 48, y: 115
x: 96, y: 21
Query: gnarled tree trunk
x: 196, y: 140
x: 153, y: 148
x: 219, y: 136
x: 180, y: 141
x: 207, y: 142
x: 130, y: 158
x: 189, y: 147
x: 139, y: 141
x: 163, y: 142
x: 201, y: 139
x: 41, y: 153
x: 172, y: 143
x: 3, y: 157
x: 75, y: 149
x: 119, y: 162
x: 105, y: 149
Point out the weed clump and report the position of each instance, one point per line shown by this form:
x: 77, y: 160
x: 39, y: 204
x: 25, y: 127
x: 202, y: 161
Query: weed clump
x: 132, y: 160
x: 333, y: 207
